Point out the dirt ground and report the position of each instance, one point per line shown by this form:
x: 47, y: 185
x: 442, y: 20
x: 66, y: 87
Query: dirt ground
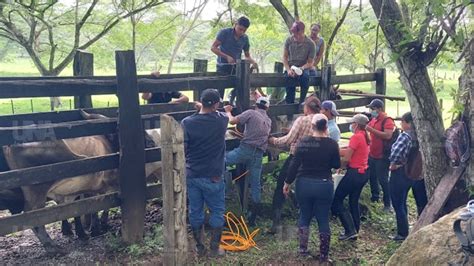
x: 23, y: 248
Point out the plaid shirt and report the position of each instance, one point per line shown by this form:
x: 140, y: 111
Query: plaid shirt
x: 400, y: 149
x: 301, y: 127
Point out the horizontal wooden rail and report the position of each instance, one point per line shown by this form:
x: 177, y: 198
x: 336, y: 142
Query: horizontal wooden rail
x: 162, y: 76
x: 74, y: 115
x: 279, y: 81
x: 346, y: 79
x: 27, y: 220
x: 58, y: 171
x: 85, y: 86
x: 351, y: 103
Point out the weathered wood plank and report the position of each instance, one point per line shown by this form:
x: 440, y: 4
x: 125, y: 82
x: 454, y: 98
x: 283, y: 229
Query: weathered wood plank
x: 278, y: 80
x: 74, y: 115
x: 44, y: 132
x: 325, y: 82
x: 284, y: 109
x: 351, y: 103
x: 162, y: 76
x: 55, y: 172
x: 346, y: 79
x: 374, y: 95
x: 200, y: 66
x: 242, y: 85
x: 174, y: 192
x: 381, y: 82
x: 132, y: 155
x: 27, y: 220
x: 191, y: 83
x: 438, y: 199
x: 83, y: 65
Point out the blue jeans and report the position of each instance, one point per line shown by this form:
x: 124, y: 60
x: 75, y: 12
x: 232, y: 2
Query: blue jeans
x: 314, y: 198
x: 351, y: 185
x: 252, y: 158
x: 399, y: 187
x: 204, y: 190
x: 378, y: 169
x: 304, y: 85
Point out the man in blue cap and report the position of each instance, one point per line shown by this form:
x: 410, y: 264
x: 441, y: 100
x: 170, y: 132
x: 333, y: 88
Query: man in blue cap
x: 381, y: 128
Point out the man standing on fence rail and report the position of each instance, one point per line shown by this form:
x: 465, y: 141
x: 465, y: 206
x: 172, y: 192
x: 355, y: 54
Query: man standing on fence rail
x: 204, y: 144
x: 228, y: 46
x: 298, y: 58
x: 250, y: 151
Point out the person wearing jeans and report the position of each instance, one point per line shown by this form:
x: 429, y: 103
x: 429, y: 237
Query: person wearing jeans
x: 300, y: 128
x: 298, y: 53
x: 204, y: 151
x: 400, y: 184
x: 314, y: 158
x: 355, y: 178
x: 251, y: 148
x: 381, y: 128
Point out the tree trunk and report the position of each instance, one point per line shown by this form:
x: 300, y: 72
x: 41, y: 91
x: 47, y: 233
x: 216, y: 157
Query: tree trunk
x: 421, y: 95
x: 283, y: 11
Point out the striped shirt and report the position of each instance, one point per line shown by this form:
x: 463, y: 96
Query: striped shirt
x: 301, y: 127
x: 400, y: 149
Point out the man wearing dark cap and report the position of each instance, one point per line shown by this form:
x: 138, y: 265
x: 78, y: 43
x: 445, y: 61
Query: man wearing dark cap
x: 381, y: 128
x: 252, y: 146
x: 204, y: 144
x: 228, y: 46
x: 298, y: 58
x: 328, y: 108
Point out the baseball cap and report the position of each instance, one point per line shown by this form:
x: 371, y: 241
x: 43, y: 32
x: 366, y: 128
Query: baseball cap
x: 263, y: 101
x: 375, y: 103
x: 210, y: 97
x: 330, y: 105
x: 318, y: 117
x: 359, y: 119
x: 297, y: 26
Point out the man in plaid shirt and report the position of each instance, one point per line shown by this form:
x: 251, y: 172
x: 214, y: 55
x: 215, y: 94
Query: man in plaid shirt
x: 301, y: 127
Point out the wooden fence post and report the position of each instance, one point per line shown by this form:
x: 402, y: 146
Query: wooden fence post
x: 381, y: 82
x: 174, y: 192
x: 324, y: 89
x: 83, y: 66
x: 242, y: 85
x: 132, y: 153
x: 200, y: 66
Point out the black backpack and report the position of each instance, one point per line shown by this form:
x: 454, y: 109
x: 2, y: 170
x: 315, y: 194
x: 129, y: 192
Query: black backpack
x: 387, y: 143
x: 465, y: 237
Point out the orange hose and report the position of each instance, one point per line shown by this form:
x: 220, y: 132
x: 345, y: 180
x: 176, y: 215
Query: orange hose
x: 232, y: 240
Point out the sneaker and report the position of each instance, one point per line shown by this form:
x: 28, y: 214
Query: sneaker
x: 469, y: 212
x: 387, y: 209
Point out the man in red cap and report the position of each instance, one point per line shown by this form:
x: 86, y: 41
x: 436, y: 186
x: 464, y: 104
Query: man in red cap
x: 298, y: 58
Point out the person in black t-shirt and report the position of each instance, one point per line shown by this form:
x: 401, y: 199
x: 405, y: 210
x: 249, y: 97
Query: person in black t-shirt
x: 311, y: 166
x: 164, y: 97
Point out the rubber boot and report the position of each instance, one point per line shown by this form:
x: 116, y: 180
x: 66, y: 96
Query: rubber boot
x: 276, y: 222
x: 324, y: 244
x: 348, y: 224
x: 215, y: 250
x: 303, y: 235
x: 254, y: 210
x: 199, y: 238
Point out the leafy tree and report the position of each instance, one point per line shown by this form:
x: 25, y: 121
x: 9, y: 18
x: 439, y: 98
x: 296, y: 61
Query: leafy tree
x: 417, y: 32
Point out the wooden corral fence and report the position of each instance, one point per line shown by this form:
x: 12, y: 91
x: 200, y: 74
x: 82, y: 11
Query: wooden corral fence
x: 129, y: 120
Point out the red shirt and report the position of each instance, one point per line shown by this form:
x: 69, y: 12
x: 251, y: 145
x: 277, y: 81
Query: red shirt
x: 376, y: 143
x: 360, y: 156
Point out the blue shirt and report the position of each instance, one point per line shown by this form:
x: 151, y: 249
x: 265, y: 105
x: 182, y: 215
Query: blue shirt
x: 204, y: 144
x: 334, y: 132
x: 231, y: 46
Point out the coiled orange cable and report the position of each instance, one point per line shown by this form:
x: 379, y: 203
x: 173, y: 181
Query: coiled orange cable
x: 232, y: 240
